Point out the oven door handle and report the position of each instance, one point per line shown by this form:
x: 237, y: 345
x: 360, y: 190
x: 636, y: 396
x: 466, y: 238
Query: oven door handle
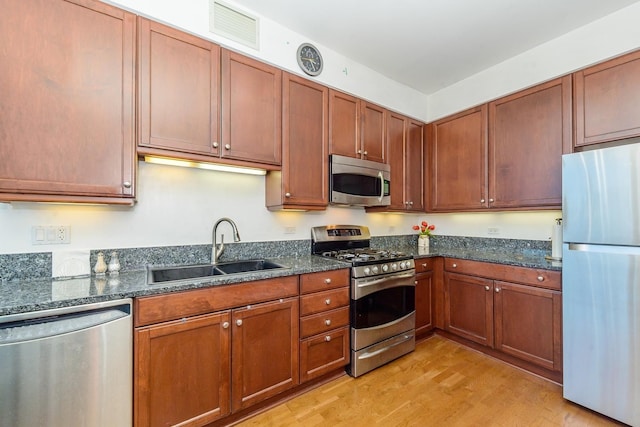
x: 363, y: 289
x: 368, y: 355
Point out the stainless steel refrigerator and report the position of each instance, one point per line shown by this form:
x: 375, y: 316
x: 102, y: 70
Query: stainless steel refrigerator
x: 601, y: 280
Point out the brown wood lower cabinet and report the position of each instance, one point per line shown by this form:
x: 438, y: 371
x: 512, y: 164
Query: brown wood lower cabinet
x: 424, y: 296
x: 485, y: 305
x: 193, y: 368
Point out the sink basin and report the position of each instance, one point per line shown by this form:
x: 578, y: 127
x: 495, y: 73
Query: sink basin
x: 169, y: 274
x: 235, y: 267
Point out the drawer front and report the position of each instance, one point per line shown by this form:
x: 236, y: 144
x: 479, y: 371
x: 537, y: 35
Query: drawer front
x: 324, y: 353
x: 322, y: 301
x: 323, y: 322
x: 424, y: 264
x: 324, y: 280
x: 548, y: 279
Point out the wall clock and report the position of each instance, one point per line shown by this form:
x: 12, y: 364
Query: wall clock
x: 309, y: 59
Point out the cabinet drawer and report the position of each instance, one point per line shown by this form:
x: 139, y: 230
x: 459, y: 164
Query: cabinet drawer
x: 324, y: 280
x: 323, y: 322
x: 324, y: 353
x: 322, y: 301
x: 424, y: 264
x: 530, y: 276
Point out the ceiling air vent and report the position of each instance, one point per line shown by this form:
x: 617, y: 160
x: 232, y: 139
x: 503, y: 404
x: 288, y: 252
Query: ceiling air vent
x: 233, y: 24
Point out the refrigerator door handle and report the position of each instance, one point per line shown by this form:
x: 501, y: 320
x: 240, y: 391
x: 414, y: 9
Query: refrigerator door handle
x: 583, y: 247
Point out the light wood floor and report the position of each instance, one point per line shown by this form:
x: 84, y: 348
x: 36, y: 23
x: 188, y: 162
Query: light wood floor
x: 442, y: 383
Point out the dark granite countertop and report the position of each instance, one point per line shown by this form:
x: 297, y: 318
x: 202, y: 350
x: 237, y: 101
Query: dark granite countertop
x: 19, y: 296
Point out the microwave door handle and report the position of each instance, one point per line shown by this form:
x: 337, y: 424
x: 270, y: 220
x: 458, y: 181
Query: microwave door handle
x: 381, y: 186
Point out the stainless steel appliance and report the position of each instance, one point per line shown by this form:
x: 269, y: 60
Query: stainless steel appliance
x: 382, y: 295
x: 358, y: 182
x: 601, y: 280
x: 67, y: 367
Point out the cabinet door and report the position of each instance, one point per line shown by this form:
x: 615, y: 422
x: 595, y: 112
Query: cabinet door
x: 178, y: 83
x: 324, y: 353
x: 344, y: 117
x: 469, y: 307
x: 528, y: 133
x: 303, y: 181
x: 413, y: 169
x: 251, y: 109
x: 528, y: 323
x: 182, y: 371
x: 373, y: 132
x: 264, y: 351
x: 396, y: 135
x: 424, y: 302
x: 606, y: 101
x: 67, y: 103
x: 458, y: 152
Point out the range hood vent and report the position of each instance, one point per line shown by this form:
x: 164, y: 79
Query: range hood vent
x: 233, y: 24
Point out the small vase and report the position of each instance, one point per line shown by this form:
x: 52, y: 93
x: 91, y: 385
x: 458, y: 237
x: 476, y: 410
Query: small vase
x: 423, y: 244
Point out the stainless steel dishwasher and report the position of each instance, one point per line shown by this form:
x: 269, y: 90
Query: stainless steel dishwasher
x: 67, y: 367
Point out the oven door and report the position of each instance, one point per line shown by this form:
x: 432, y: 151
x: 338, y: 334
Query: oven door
x: 359, y: 182
x: 382, y: 308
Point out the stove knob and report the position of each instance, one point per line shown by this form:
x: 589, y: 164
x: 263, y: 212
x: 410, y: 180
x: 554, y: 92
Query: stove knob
x: 374, y: 269
x: 385, y: 267
x: 394, y: 266
x: 403, y: 265
x: 367, y: 271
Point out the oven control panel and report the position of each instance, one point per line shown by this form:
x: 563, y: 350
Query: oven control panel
x: 380, y: 268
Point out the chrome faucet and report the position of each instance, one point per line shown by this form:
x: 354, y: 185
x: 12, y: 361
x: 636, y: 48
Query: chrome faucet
x: 216, y: 251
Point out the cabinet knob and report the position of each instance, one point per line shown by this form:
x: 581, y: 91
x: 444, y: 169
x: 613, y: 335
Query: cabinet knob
x: 327, y: 322
x: 424, y: 265
x: 454, y: 265
x: 287, y: 195
x: 126, y: 184
x: 227, y: 146
x: 215, y: 145
x: 486, y: 287
x: 327, y: 281
x: 327, y: 301
x: 327, y: 338
x: 359, y: 151
x: 239, y: 322
x: 481, y: 200
x: 490, y: 200
x: 497, y: 290
x: 225, y: 325
x: 365, y: 153
x: 410, y: 203
x: 540, y: 278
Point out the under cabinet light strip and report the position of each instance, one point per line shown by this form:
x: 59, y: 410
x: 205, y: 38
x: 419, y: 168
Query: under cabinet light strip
x: 203, y: 165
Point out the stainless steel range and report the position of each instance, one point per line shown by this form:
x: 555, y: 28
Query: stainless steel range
x: 382, y: 295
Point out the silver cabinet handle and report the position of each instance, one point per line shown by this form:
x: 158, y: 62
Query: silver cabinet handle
x: 287, y: 195
x: 225, y: 325
x: 365, y: 153
x: 327, y: 301
x: 359, y: 151
x: 327, y: 281
x: 327, y: 322
x: 126, y: 184
x: 327, y: 338
x: 481, y: 200
x: 227, y: 146
x: 490, y: 200
x: 454, y: 265
x: 497, y: 290
x: 239, y: 322
x: 410, y: 203
x: 215, y: 145
x: 486, y: 287
x: 540, y: 279
x: 415, y: 282
x: 424, y: 265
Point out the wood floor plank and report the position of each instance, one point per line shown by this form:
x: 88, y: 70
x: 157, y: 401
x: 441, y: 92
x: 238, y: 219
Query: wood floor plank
x: 442, y: 383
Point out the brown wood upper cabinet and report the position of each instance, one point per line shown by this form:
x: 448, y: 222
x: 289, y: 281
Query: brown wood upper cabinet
x: 606, y: 100
x: 178, y: 87
x: 405, y: 155
x: 67, y: 85
x: 200, y: 102
x: 303, y: 181
x: 356, y: 128
x: 503, y: 155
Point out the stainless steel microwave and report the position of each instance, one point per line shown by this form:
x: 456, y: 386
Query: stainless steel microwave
x: 358, y: 182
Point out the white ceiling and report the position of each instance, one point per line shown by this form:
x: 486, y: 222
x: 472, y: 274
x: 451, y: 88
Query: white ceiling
x: 430, y: 44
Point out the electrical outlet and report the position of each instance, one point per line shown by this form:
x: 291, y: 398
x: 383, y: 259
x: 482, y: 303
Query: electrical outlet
x: 493, y: 231
x: 50, y: 235
x: 289, y: 230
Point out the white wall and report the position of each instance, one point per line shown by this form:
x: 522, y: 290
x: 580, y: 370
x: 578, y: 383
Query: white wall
x: 602, y: 39
x: 179, y: 206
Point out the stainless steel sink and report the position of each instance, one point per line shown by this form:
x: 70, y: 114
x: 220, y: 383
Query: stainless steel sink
x: 170, y: 274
